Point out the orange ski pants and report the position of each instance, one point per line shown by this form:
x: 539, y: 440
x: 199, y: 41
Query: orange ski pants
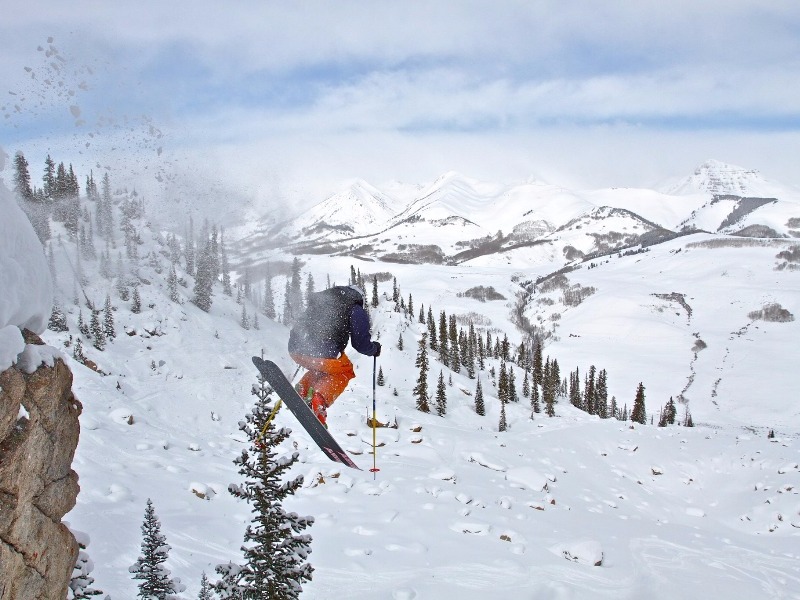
x: 328, y: 376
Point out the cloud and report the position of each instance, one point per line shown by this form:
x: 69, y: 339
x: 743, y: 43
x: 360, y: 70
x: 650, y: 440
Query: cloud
x: 294, y: 97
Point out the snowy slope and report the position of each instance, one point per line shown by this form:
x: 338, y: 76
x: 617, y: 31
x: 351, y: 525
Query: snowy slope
x: 459, y: 508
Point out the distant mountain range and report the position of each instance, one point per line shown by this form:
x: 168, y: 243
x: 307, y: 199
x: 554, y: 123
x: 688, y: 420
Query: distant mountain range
x: 457, y: 219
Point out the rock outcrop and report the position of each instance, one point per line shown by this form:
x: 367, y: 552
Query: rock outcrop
x: 38, y: 435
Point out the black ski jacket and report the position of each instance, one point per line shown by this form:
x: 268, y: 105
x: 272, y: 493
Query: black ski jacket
x: 333, y: 317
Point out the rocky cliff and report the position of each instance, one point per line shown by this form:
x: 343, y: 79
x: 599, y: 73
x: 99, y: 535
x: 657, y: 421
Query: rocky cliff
x: 38, y: 436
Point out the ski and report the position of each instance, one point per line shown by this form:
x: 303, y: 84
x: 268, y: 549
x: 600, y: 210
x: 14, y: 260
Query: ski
x: 307, y: 419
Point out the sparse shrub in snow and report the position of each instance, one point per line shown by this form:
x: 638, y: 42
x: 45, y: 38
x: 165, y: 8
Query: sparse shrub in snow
x: 773, y: 313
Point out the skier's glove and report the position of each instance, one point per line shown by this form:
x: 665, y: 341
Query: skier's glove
x: 377, y: 349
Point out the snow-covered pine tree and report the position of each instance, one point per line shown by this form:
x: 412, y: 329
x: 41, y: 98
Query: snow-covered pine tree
x: 526, y: 385
x: 400, y: 342
x: 136, y: 301
x: 58, y: 320
x: 432, y: 337
x: 269, y: 300
x: 601, y: 394
x: 421, y: 389
x: 381, y: 379
x: 374, y: 301
x: 480, y: 407
x: 244, y: 321
x: 275, y: 551
x: 639, y: 414
x: 172, y: 285
x: 82, y: 326
x: 441, y: 396
x: 503, y: 425
x: 77, y: 351
x: 98, y: 335
x: 206, y: 591
x: 156, y: 583
x: 80, y: 584
x: 108, y: 319
x: 535, y: 407
x: 512, y: 385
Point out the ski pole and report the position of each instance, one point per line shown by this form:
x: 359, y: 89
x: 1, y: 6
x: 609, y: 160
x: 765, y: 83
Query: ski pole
x: 374, y: 468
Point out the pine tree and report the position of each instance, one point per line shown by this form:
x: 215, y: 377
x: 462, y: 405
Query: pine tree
x: 588, y: 392
x: 206, y: 592
x: 400, y: 342
x: 82, y: 326
x: 410, y: 307
x: 58, y: 320
x: 381, y: 380
x: 687, y: 419
x: 444, y: 339
x: 374, y: 302
x: 433, y: 339
x: 441, y: 396
x: 136, y: 302
x: 639, y: 414
x: 244, y: 321
x: 601, y: 394
x: 108, y: 319
x: 275, y: 549
x: 156, y: 582
x: 535, y: 407
x: 172, y: 285
x: 503, y: 425
x: 538, y: 366
x: 420, y: 390
x: 80, y: 584
x: 502, y: 384
x: 204, y: 278
x: 512, y: 386
x: 526, y: 385
x: 269, y: 300
x: 309, y: 288
x: 96, y: 330
x: 480, y: 406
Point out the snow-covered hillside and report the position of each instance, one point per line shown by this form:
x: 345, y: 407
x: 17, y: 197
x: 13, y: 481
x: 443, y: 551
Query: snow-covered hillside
x: 572, y: 506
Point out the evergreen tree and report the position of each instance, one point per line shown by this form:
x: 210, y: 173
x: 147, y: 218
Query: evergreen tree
x: 204, y: 278
x: 374, y: 302
x: 444, y: 339
x: 275, y: 549
x: 420, y: 390
x: 58, y: 320
x: 433, y: 339
x: 22, y: 177
x: 575, y: 397
x: 82, y: 326
x: 687, y: 419
x: 80, y: 584
x: 244, y: 321
x: 77, y: 351
x: 535, y: 407
x: 309, y: 288
x: 269, y: 300
x: 613, y: 409
x: 189, y: 249
x: 502, y: 384
x: 381, y: 380
x: 294, y: 308
x: 227, y: 288
x: 601, y: 395
x: 206, y: 591
x: 156, y: 582
x: 503, y: 425
x: 639, y: 414
x: 526, y: 385
x: 410, y: 307
x: 395, y: 291
x: 671, y: 411
x: 512, y: 386
x: 422, y: 314
x: 538, y: 366
x: 96, y: 331
x: 441, y: 396
x: 172, y: 285
x: 480, y: 406
x: 588, y: 392
x: 136, y: 301
x: 400, y: 342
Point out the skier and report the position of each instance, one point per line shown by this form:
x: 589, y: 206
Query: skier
x: 317, y: 343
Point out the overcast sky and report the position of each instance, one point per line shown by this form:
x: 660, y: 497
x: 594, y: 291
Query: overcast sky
x: 291, y: 99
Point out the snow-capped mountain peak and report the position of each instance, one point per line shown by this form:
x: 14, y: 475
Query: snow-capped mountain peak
x: 720, y: 178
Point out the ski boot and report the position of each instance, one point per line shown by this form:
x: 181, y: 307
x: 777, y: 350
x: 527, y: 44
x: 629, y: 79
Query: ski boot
x: 320, y: 408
